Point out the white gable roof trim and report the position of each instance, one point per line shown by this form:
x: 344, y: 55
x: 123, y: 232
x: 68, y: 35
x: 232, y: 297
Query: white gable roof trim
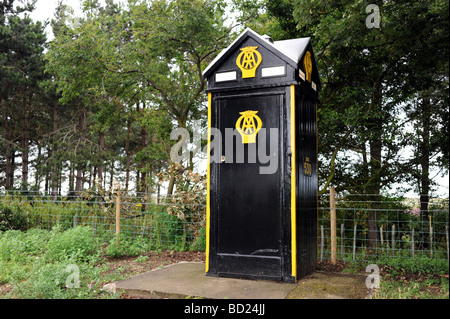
x: 292, y: 49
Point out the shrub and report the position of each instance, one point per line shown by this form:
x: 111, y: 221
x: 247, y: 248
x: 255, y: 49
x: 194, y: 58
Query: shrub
x: 78, y: 242
x: 126, y: 248
x: 12, y: 246
x: 200, y: 242
x: 115, y: 250
x: 11, y: 219
x: 58, y: 280
x: 419, y: 266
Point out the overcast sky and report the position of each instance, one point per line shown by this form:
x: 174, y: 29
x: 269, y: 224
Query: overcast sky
x: 45, y: 10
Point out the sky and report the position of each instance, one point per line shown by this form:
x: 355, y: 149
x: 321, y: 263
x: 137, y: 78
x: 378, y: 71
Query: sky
x: 45, y: 11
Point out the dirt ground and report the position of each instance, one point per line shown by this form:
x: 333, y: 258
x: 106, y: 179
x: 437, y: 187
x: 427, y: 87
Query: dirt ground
x: 132, y: 267
x: 160, y: 259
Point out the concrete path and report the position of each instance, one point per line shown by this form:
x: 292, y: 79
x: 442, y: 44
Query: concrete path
x: 188, y: 280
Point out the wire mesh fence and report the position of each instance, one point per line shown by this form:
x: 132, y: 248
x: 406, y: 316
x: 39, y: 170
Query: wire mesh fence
x: 160, y: 220
x: 350, y: 227
x: 362, y: 227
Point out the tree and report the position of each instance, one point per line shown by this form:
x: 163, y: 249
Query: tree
x: 132, y: 60
x: 21, y: 70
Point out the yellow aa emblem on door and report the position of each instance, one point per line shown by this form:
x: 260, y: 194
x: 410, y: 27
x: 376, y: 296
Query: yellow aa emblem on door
x: 248, y: 61
x: 248, y: 125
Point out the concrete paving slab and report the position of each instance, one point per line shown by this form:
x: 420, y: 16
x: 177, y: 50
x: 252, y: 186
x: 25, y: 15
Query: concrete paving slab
x: 188, y: 280
x: 323, y: 285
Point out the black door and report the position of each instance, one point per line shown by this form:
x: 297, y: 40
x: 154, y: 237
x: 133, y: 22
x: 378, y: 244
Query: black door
x: 249, y: 211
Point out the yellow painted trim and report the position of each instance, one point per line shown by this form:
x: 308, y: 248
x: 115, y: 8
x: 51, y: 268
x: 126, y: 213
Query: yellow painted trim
x: 208, y: 190
x: 317, y: 176
x: 293, y: 189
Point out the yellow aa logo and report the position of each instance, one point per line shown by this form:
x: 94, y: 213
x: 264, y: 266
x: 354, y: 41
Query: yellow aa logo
x: 247, y: 127
x: 248, y: 61
x: 307, y: 63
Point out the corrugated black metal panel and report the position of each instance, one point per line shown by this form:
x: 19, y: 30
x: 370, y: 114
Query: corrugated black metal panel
x: 306, y: 184
x: 250, y: 212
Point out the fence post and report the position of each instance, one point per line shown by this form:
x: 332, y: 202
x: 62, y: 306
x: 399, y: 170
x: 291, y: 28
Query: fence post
x: 412, y: 243
x: 342, y: 241
x: 321, y: 242
x: 446, y: 237
x: 333, y: 224
x: 382, y: 239
x: 354, y: 241
x: 118, y: 216
x: 75, y: 220
x: 431, y: 237
x: 393, y: 240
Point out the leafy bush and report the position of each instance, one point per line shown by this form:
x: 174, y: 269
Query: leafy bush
x: 19, y: 251
x: 115, y: 250
x: 12, y: 246
x: 58, y: 280
x: 78, y: 242
x: 200, y: 242
x: 188, y: 203
x: 415, y: 266
x: 46, y: 280
x: 12, y: 219
x: 126, y: 248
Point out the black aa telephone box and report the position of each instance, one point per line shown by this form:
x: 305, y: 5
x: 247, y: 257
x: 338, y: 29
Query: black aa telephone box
x: 262, y: 159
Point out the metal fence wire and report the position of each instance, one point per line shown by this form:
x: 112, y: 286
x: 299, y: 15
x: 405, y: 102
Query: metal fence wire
x: 398, y: 227
x: 161, y: 220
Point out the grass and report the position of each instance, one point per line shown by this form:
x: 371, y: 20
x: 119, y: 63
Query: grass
x: 416, y: 289
x: 66, y: 264
x: 74, y: 263
x: 421, y: 278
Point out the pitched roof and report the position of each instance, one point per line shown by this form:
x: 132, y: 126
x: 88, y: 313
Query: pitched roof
x: 290, y: 50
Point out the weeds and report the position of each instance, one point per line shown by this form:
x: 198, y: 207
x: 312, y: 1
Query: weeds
x: 78, y: 243
x: 421, y: 278
x: 52, y: 264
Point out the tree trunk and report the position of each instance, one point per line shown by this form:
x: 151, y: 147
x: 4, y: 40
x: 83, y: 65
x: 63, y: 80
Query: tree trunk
x: 71, y: 176
x: 54, y: 179
x: 9, y: 182
x: 143, y: 145
x: 171, y: 186
x: 79, y: 181
x: 127, y: 152
x: 424, y: 151
x: 375, y: 145
x: 25, y: 139
x: 79, y: 162
x: 9, y: 169
x: 37, y: 177
x: 101, y: 145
